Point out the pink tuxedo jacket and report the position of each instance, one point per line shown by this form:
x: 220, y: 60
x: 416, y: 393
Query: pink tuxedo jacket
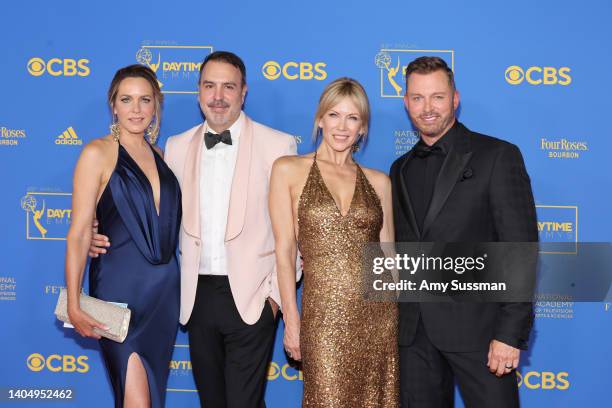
x: 249, y: 241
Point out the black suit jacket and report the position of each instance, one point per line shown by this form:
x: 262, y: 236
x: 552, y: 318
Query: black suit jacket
x: 482, y: 194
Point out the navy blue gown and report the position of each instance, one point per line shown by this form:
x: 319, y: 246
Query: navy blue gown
x: 140, y: 269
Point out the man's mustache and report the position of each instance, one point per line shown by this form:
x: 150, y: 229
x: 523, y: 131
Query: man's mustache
x: 218, y: 104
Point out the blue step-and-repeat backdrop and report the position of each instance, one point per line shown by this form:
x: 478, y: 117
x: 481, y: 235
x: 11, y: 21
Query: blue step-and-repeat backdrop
x: 536, y: 73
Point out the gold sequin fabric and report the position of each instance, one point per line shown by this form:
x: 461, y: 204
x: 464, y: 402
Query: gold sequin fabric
x: 348, y: 343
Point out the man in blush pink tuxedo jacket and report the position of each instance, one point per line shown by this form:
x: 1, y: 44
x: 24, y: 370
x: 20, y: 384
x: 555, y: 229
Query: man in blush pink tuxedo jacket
x: 250, y: 261
x: 229, y: 289
x: 249, y: 242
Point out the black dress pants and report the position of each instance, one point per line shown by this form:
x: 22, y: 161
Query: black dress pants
x: 229, y: 358
x: 427, y: 377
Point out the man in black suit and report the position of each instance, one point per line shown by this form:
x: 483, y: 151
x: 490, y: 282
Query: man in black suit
x: 458, y: 186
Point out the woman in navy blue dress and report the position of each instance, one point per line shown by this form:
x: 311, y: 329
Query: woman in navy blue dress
x: 122, y: 180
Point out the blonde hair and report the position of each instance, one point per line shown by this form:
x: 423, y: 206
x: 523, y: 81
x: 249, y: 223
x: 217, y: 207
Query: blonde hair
x: 338, y: 90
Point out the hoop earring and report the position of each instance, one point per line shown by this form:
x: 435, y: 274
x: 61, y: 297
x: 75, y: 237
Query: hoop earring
x: 114, y: 129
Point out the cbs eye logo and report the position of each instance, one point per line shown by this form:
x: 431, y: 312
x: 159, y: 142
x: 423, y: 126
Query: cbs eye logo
x: 275, y: 371
x: 515, y: 75
x: 56, y: 363
x: 36, y: 362
x: 59, y: 67
x: 36, y: 66
x: 291, y: 70
x: 271, y: 70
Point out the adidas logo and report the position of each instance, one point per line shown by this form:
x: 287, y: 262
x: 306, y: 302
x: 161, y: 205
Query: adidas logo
x: 68, y: 137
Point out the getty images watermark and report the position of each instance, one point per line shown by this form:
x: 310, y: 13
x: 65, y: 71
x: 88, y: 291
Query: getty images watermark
x: 412, y: 265
x: 487, y: 271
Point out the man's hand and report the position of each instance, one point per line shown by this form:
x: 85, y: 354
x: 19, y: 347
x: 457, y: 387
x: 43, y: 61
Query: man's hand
x: 502, y: 358
x: 98, y: 243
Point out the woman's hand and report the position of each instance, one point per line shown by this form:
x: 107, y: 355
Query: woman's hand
x: 291, y: 339
x: 84, y: 324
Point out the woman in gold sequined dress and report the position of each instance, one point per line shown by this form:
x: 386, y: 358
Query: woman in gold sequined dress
x: 329, y: 207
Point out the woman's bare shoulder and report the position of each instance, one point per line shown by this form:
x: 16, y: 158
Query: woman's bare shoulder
x: 293, y: 163
x: 99, y: 153
x: 294, y: 169
x: 101, y: 147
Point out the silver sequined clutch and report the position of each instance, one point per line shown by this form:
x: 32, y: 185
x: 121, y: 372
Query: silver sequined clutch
x: 116, y: 318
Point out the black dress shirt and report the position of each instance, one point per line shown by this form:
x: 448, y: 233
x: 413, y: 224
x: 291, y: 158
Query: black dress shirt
x: 422, y: 170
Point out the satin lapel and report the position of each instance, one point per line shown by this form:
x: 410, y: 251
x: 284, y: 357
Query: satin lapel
x: 240, y: 183
x: 191, y: 184
x: 452, y: 167
x: 404, y: 197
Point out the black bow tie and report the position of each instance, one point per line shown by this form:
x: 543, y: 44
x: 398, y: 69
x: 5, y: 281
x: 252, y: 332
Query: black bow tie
x: 422, y: 150
x: 211, y: 139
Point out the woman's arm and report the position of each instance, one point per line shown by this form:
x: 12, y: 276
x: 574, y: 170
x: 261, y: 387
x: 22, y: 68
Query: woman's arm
x: 281, y: 215
x: 382, y: 185
x: 88, y: 176
x: 387, y: 233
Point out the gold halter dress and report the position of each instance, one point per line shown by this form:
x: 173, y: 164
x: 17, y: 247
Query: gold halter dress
x: 348, y: 344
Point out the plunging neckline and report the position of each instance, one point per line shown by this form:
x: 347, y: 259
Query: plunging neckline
x: 332, y: 196
x: 157, y: 210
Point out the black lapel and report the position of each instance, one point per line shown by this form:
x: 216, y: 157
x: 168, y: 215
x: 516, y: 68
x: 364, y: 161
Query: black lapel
x: 404, y: 198
x: 451, y: 170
